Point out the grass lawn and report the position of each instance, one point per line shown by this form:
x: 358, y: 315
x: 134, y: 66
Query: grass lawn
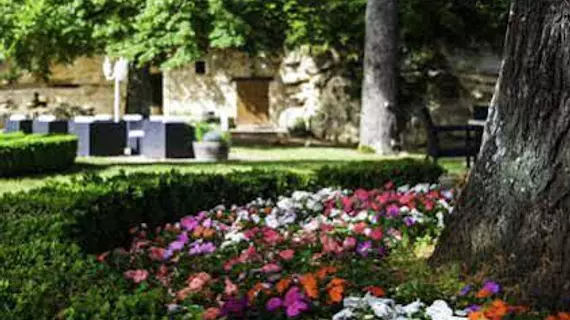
x: 242, y: 158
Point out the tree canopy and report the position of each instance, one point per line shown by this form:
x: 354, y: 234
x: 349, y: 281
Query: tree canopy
x: 36, y: 33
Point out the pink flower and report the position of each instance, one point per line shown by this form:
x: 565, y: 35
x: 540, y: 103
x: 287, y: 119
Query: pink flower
x: 137, y: 276
x: 361, y: 194
x: 230, y: 288
x: 359, y: 228
x: 330, y: 245
x: 271, y: 268
x: 196, y: 283
x: 349, y: 243
x: 271, y: 236
x: 376, y: 234
x: 287, y: 254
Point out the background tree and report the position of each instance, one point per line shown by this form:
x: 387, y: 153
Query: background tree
x: 379, y: 89
x: 514, y: 212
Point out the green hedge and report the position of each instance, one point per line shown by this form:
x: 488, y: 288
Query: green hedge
x: 48, y: 236
x: 20, y: 154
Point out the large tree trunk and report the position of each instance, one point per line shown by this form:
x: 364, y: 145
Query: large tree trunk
x: 379, y: 88
x: 514, y: 213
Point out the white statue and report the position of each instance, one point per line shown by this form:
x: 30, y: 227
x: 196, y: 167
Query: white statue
x: 118, y: 72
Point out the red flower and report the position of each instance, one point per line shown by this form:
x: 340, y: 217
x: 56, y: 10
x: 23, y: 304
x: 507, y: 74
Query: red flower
x: 375, y: 291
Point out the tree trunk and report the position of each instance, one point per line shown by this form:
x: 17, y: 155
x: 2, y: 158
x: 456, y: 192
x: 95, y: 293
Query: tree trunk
x: 379, y: 88
x: 514, y: 212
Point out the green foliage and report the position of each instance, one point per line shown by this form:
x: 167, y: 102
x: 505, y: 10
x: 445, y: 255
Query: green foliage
x: 34, y: 34
x: 21, y: 154
x: 369, y: 175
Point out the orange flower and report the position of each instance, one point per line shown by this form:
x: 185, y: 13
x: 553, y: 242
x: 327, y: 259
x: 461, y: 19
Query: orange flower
x: 335, y: 294
x: 198, y: 232
x: 477, y: 315
x: 564, y: 315
x: 483, y: 293
x: 283, y: 285
x: 497, y: 310
x: 253, y: 292
x: 375, y: 291
x: 335, y: 290
x: 551, y: 318
x: 208, y: 233
x: 324, y: 271
x: 309, y: 283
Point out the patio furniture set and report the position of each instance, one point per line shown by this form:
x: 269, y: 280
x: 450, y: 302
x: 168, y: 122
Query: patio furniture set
x: 100, y: 135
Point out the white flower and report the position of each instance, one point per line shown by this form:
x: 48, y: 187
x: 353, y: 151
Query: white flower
x: 439, y: 310
x: 440, y: 221
x: 413, y: 308
x: 255, y: 218
x: 335, y: 212
x: 344, y: 314
x: 361, y: 216
x: 312, y: 226
x: 403, y: 189
x: 421, y: 188
x: 271, y: 221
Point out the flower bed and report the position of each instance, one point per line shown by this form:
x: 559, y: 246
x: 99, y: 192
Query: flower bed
x: 312, y: 255
x: 301, y: 255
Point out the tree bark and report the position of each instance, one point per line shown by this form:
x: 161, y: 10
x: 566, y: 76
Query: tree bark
x: 378, y: 123
x: 514, y: 213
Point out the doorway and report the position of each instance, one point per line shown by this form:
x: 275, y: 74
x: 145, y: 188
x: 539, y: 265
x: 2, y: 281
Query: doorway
x: 252, y: 101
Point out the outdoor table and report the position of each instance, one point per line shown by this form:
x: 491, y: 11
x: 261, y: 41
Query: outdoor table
x: 135, y: 132
x: 18, y: 122
x: 46, y: 124
x: 167, y: 137
x: 99, y: 137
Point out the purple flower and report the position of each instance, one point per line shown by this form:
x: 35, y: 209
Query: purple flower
x: 294, y: 303
x: 167, y: 254
x: 381, y: 251
x: 473, y: 308
x: 176, y: 246
x: 408, y: 221
x: 393, y: 211
x: 273, y: 304
x: 465, y: 290
x: 363, y: 248
x: 235, y: 307
x: 198, y: 248
x: 492, y: 287
x: 179, y: 243
x: 189, y: 223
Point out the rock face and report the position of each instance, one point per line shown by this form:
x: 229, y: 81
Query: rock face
x: 79, y: 84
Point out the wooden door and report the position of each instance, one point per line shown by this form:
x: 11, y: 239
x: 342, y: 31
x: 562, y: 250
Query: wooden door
x: 253, y: 102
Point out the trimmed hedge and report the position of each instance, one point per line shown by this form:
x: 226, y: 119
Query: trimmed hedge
x: 48, y: 236
x: 20, y: 154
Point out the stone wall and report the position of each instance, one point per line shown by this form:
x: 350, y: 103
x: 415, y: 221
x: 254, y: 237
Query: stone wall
x: 190, y: 94
x: 79, y: 84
